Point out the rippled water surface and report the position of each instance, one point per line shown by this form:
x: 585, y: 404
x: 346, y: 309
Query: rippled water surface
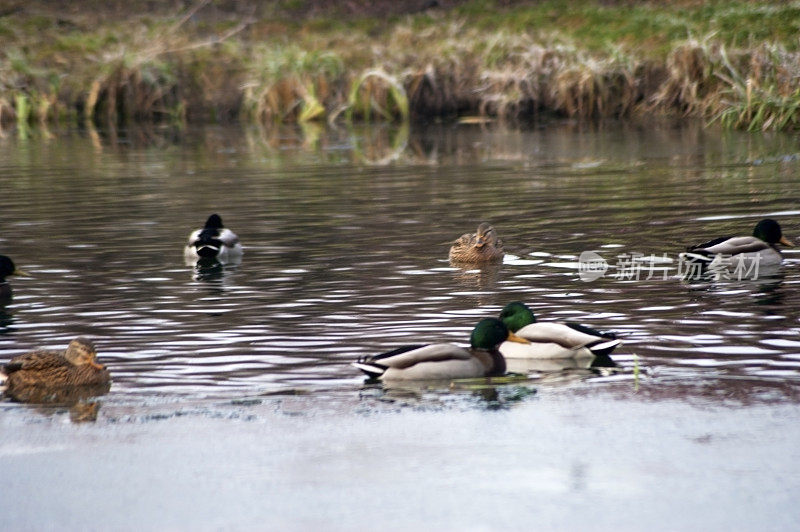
x: 346, y: 236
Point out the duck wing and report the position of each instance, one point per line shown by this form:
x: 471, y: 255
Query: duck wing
x: 228, y: 237
x: 590, y: 331
x: 193, y: 237
x: 213, y: 236
x: 464, y: 241
x: 543, y: 350
x: 36, y: 361
x: 407, y: 357
x: 734, y: 246
x: 708, y: 244
x: 558, y: 333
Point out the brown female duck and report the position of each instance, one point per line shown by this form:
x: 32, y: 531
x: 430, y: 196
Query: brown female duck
x: 77, y: 366
x: 482, y: 246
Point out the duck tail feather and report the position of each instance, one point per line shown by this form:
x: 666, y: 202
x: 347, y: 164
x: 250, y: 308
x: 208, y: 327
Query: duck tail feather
x: 371, y: 370
x: 588, y: 330
x: 697, y: 256
x: 604, y: 348
x: 391, y: 353
x: 8, y: 369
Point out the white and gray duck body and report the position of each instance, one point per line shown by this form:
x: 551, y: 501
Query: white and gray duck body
x: 553, y: 340
x: 213, y: 242
x: 444, y: 361
x: 741, y: 251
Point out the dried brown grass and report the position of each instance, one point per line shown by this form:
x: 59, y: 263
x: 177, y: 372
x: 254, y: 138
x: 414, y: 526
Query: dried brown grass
x: 164, y: 72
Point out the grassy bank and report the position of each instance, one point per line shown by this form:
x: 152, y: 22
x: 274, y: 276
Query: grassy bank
x: 737, y: 63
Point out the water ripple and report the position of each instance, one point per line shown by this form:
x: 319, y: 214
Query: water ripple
x: 342, y: 260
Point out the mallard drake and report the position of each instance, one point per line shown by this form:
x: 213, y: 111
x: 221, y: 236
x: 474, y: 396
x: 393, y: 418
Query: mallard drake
x: 77, y: 366
x: 213, y: 241
x: 444, y: 361
x: 482, y: 246
x: 7, y: 268
x: 761, y: 247
x: 552, y: 340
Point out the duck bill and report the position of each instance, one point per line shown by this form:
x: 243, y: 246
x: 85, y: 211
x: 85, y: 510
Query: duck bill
x: 514, y: 338
x: 21, y: 273
x: 785, y: 241
x: 97, y: 365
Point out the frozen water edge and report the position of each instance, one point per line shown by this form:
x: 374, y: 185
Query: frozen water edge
x: 562, y: 459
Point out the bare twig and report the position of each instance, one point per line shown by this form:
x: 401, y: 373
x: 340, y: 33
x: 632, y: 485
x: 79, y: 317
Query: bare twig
x: 189, y: 14
x: 210, y: 42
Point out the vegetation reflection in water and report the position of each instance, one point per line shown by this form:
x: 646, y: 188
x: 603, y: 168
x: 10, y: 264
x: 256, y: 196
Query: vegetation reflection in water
x: 346, y: 234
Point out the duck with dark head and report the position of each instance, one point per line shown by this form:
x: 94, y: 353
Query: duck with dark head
x: 761, y: 247
x: 7, y: 268
x: 444, y: 361
x: 213, y: 241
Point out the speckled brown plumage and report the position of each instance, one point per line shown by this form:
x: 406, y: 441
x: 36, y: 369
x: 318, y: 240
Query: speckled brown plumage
x: 75, y: 367
x: 482, y: 246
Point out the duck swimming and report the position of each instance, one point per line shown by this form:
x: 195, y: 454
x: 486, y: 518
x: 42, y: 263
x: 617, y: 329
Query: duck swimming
x: 552, y: 340
x: 482, y: 246
x: 7, y: 268
x: 444, y: 361
x: 761, y: 247
x: 77, y: 366
x: 213, y: 241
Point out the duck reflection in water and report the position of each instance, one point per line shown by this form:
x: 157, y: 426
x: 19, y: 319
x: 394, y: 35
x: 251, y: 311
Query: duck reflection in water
x: 577, y: 366
x: 84, y: 412
x: 477, y: 276
x: 49, y: 401
x: 480, y: 393
x: 764, y: 285
x: 207, y: 269
x: 770, y: 291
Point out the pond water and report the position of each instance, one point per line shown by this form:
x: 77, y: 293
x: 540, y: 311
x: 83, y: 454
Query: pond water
x: 233, y: 402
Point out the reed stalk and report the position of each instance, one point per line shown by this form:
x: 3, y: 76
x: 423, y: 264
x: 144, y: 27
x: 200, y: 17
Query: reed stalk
x: 470, y: 63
